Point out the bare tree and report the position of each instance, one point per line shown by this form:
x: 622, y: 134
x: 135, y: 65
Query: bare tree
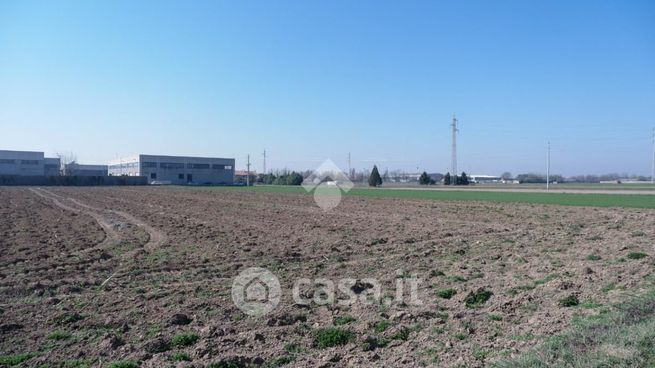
x: 506, y: 175
x: 66, y: 158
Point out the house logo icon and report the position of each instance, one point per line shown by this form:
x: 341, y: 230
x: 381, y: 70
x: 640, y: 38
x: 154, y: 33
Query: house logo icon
x: 256, y: 291
x: 327, y: 182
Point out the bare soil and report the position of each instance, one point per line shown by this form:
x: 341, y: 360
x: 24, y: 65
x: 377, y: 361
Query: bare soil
x: 99, y: 275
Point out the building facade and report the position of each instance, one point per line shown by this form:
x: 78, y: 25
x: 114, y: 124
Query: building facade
x: 75, y: 169
x: 176, y: 169
x: 51, y: 166
x: 27, y: 163
x: 485, y: 179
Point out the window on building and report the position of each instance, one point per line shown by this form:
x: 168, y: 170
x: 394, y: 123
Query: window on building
x: 7, y: 161
x: 228, y: 167
x: 148, y: 165
x: 218, y: 167
x: 171, y: 165
x: 29, y: 162
x: 197, y: 166
x: 153, y: 175
x: 180, y: 176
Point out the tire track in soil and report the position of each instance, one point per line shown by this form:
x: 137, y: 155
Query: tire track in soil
x: 155, y: 237
x: 110, y: 233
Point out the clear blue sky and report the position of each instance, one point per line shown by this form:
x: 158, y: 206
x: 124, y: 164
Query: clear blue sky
x: 310, y: 80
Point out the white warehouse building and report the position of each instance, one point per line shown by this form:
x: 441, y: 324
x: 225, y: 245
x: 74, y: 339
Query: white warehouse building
x: 27, y: 163
x: 176, y: 169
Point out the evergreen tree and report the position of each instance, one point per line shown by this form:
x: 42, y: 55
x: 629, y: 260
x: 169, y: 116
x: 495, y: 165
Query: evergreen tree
x: 464, y: 180
x: 375, y: 180
x: 294, y: 179
x: 424, y: 179
x: 446, y: 179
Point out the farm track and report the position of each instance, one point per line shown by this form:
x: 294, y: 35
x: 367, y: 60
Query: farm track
x: 105, y: 218
x: 104, y: 222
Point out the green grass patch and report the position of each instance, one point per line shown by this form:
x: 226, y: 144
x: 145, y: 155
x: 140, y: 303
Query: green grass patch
x: 401, y: 334
x: 13, y: 360
x: 446, y: 293
x: 382, y: 326
x: 329, y: 337
x: 637, y: 255
x: 76, y: 363
x: 590, y: 304
x: 180, y: 357
x: 344, y: 320
x: 456, y: 278
x: 569, y: 301
x: 478, y: 298
x: 185, y: 339
x: 60, y: 335
x: 623, y: 337
x: 294, y: 349
x: 68, y: 318
x: 124, y: 364
x: 546, y: 279
x: 562, y: 199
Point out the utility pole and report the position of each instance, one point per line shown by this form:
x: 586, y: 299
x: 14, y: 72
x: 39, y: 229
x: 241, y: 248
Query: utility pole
x: 248, y: 172
x: 350, y: 171
x: 264, y: 172
x: 453, y: 157
x: 548, y: 168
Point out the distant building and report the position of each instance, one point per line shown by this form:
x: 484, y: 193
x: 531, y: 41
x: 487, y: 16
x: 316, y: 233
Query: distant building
x: 27, y: 163
x: 176, y: 169
x: 436, y: 177
x: 241, y: 177
x: 75, y: 169
x: 485, y: 179
x: 625, y: 181
x: 51, y: 166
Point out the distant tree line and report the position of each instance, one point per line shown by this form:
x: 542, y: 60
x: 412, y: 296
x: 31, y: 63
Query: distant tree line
x: 281, y: 178
x: 533, y: 178
x: 606, y: 177
x: 456, y: 180
x: 375, y: 179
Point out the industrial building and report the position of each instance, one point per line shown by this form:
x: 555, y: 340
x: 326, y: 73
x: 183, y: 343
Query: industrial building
x: 75, y: 169
x: 241, y: 177
x: 27, y: 163
x: 176, y: 169
x: 51, y: 166
x: 490, y: 179
x: 484, y: 179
